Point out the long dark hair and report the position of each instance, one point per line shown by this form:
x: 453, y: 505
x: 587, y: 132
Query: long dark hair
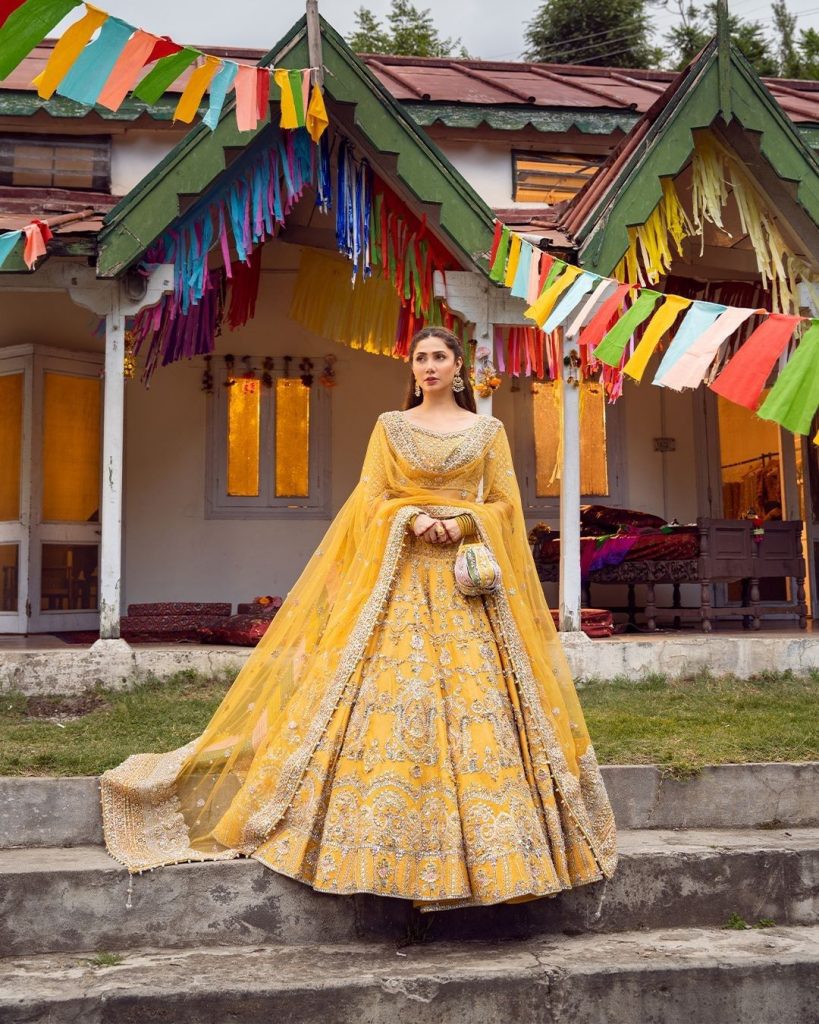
x: 465, y: 398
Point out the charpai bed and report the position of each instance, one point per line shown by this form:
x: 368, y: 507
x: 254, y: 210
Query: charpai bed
x: 621, y: 546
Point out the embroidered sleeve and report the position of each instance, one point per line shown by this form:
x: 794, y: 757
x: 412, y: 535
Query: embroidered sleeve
x: 500, y: 483
x: 373, y: 480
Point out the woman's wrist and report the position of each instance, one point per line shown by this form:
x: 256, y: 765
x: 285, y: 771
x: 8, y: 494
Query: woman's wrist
x: 466, y: 524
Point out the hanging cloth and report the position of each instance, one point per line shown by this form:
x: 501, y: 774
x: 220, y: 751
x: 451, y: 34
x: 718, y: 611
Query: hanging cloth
x: 793, y: 400
x: 586, y: 311
x: 499, y: 264
x: 37, y: 234
x: 520, y: 285
x: 611, y: 348
x: 66, y: 50
x: 512, y: 262
x: 698, y: 319
x: 86, y: 79
x: 126, y: 70
x: 542, y: 308
x: 247, y: 98
x: 164, y: 73
x: 25, y: 26
x: 316, y: 119
x: 568, y: 301
x: 744, y: 377
x: 496, y: 238
x: 219, y: 88
x: 593, y: 333
x: 8, y: 241
x: 662, y: 320
x: 195, y: 89
x: 690, y: 369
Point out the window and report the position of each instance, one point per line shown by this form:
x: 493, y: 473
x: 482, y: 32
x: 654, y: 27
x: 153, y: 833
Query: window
x: 77, y: 162
x: 267, y: 449
x: 550, y: 179
x: 539, y: 428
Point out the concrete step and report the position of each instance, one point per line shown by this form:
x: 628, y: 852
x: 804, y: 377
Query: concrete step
x: 55, y: 900
x: 679, y: 976
x: 65, y: 812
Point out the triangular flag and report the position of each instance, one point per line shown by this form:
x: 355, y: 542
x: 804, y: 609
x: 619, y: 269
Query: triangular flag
x: 66, y: 50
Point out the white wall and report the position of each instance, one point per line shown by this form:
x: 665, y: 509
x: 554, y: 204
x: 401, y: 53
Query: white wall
x: 135, y: 153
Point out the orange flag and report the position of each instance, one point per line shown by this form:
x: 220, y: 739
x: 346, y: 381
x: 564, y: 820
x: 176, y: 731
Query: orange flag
x: 127, y: 69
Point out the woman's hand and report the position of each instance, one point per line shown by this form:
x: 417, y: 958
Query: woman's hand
x: 436, y: 531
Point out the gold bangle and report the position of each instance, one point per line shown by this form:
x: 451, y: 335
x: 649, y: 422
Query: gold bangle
x: 467, y: 524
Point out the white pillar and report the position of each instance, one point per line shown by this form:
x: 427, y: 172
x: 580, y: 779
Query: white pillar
x: 570, y: 583
x: 483, y: 339
x: 113, y: 423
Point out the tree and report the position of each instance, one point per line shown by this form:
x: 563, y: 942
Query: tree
x: 785, y: 25
x: 699, y: 24
x: 612, y: 33
x: 411, y: 33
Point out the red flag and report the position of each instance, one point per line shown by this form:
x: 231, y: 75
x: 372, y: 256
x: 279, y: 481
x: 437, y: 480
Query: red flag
x: 744, y: 377
x: 495, y: 242
x: 7, y: 8
x: 163, y: 47
x: 593, y: 332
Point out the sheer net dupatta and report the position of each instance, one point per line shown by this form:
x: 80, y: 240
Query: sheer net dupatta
x: 220, y: 795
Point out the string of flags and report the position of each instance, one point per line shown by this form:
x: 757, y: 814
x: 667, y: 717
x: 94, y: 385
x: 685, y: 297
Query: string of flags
x: 100, y: 59
x: 619, y: 327
x: 36, y: 234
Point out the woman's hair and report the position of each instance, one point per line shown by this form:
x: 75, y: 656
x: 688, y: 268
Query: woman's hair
x: 465, y: 398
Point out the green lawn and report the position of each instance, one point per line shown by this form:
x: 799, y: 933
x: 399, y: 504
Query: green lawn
x: 680, y: 724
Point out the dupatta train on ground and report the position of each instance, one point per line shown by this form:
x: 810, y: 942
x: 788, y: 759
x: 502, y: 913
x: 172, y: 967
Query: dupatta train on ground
x: 226, y: 793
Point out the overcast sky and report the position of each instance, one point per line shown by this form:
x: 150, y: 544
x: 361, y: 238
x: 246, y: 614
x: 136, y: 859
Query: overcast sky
x: 490, y: 29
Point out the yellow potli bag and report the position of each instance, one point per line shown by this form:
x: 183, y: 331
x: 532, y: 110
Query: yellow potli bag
x: 476, y: 571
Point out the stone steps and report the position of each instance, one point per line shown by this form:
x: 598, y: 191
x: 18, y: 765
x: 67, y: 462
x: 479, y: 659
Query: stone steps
x: 679, y: 976
x: 65, y: 812
x: 67, y: 899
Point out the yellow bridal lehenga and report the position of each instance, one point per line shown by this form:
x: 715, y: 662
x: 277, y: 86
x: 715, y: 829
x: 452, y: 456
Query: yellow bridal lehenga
x: 390, y: 735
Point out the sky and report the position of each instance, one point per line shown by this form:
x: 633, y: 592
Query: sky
x: 489, y: 29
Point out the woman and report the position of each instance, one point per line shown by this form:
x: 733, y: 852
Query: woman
x: 389, y: 734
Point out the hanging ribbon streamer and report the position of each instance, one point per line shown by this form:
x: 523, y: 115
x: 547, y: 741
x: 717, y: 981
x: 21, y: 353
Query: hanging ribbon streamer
x: 520, y: 285
x: 593, y: 333
x: 164, y: 73
x: 556, y: 284
x: 85, y: 80
x: 190, y: 99
x: 585, y: 312
x: 569, y: 301
x: 498, y: 268
x: 690, y: 369
x: 66, y: 50
x: 793, y: 400
x: 219, y: 88
x: 316, y: 120
x: 127, y: 69
x: 514, y: 258
x: 744, y: 377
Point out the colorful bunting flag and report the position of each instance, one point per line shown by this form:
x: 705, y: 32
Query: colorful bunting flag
x: 793, y: 400
x: 690, y: 369
x: 89, y: 73
x: 520, y: 286
x: 164, y: 73
x: 195, y: 89
x: 514, y: 257
x: 611, y: 348
x: 26, y: 26
x: 586, y: 311
x: 744, y: 377
x: 593, y: 333
x: 66, y: 50
x: 219, y: 88
x: 699, y: 317
x: 662, y: 320
x: 569, y: 301
x: 127, y: 69
x: 8, y: 243
x: 316, y: 120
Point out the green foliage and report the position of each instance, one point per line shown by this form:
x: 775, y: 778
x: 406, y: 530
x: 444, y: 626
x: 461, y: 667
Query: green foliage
x: 738, y: 924
x: 105, y: 960
x: 699, y: 24
x: 411, y: 33
x: 609, y: 33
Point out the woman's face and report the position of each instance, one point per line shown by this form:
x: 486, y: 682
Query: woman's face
x: 434, y: 365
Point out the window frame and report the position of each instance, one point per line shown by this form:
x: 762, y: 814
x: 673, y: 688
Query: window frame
x: 220, y: 505
x: 549, y: 507
x: 535, y: 154
x: 100, y: 181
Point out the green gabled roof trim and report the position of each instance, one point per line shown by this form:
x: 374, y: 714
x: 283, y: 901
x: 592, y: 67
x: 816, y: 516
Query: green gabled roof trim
x: 515, y: 118
x: 197, y: 161
x: 698, y: 101
x: 20, y: 103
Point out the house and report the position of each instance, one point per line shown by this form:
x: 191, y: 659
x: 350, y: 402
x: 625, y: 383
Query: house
x: 214, y: 492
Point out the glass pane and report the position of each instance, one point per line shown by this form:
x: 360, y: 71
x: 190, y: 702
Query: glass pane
x: 9, y: 558
x: 11, y: 438
x: 292, y: 438
x: 244, y: 399
x: 71, y: 449
x: 68, y: 578
x: 548, y: 428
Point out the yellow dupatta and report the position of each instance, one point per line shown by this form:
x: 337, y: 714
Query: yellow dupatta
x: 223, y: 793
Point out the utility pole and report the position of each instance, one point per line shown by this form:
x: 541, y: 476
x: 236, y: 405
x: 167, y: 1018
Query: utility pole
x: 314, y: 43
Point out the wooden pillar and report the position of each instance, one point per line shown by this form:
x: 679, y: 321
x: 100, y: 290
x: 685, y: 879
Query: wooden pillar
x: 113, y: 424
x: 570, y: 582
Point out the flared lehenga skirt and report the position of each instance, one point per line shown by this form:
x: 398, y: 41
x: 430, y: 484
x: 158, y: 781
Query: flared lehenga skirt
x: 429, y: 783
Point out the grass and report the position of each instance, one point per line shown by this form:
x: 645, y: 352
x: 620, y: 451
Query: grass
x: 106, y: 960
x: 681, y: 725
